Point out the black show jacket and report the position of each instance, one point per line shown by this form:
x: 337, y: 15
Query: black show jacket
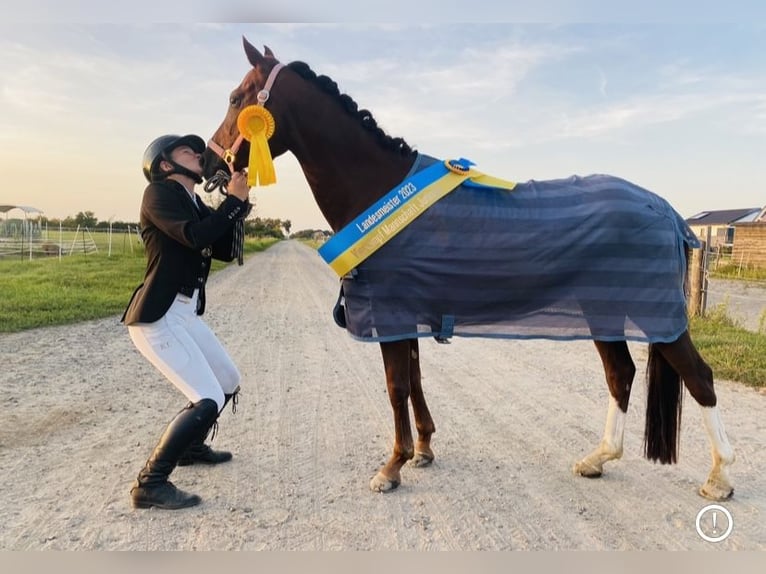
x: 180, y: 239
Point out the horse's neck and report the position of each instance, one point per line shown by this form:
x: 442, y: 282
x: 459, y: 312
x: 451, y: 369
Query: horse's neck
x: 346, y: 168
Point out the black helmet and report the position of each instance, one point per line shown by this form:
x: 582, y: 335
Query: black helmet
x: 160, y: 149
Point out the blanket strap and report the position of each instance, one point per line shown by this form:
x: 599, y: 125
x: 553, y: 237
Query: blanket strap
x: 447, y: 330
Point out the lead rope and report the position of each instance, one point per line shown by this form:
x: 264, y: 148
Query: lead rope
x: 238, y: 245
x: 218, y: 181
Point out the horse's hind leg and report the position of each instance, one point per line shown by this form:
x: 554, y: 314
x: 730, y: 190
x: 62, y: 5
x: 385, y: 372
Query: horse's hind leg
x: 424, y: 424
x: 396, y: 360
x: 619, y: 370
x: 683, y: 356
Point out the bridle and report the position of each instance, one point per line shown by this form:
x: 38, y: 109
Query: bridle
x: 220, y: 179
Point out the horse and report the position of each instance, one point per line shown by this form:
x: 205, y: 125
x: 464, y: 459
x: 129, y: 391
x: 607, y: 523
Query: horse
x: 355, y: 171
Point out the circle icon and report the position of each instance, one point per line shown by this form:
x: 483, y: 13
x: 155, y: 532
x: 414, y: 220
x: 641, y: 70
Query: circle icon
x: 714, y: 523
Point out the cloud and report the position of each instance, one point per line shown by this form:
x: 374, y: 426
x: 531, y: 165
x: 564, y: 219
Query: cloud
x: 602, y: 82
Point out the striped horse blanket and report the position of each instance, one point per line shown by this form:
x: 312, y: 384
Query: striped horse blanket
x: 593, y: 257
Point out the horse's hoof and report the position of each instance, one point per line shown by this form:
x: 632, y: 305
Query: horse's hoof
x: 381, y: 483
x: 422, y: 459
x: 712, y: 492
x: 587, y: 470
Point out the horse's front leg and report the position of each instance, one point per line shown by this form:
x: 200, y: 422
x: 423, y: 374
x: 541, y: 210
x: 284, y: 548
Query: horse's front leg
x: 619, y: 370
x: 424, y: 424
x: 396, y: 360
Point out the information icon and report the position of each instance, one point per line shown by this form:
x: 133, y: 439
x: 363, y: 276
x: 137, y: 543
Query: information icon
x: 714, y: 523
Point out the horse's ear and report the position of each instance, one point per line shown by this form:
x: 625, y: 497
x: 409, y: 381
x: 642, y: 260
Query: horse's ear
x: 267, y: 51
x: 253, y: 55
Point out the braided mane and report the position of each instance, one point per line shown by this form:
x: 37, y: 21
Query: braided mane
x: 328, y: 85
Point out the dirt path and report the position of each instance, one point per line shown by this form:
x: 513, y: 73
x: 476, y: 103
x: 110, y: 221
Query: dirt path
x: 81, y: 410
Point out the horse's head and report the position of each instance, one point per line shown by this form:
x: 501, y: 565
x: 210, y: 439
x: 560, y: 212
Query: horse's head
x: 347, y: 159
x: 227, y: 150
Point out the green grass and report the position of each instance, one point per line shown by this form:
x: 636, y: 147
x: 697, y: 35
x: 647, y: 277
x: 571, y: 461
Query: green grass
x: 733, y: 353
x: 730, y: 270
x: 48, y: 291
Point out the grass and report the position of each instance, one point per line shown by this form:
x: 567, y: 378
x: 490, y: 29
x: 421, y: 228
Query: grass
x: 730, y: 270
x: 48, y: 291
x: 733, y: 353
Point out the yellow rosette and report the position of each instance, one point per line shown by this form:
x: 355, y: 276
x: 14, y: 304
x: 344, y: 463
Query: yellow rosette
x: 256, y: 124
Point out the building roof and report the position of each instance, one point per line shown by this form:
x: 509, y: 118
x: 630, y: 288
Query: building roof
x: 723, y: 217
x: 24, y: 208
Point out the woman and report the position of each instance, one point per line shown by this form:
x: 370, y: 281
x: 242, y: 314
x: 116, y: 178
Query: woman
x: 181, y: 235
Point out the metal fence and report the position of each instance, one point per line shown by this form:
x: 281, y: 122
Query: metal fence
x: 31, y: 241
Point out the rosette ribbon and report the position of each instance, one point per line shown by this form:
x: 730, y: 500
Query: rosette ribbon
x: 256, y: 125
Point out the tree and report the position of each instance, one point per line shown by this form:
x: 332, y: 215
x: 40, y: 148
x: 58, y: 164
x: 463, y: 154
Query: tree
x: 260, y: 227
x: 87, y: 219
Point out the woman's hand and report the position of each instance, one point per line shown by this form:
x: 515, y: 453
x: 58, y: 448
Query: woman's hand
x: 238, y: 186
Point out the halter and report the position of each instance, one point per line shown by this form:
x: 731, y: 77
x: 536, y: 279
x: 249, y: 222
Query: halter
x: 221, y: 178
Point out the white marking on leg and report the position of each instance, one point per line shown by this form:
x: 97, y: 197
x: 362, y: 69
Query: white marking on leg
x: 614, y: 432
x: 719, y: 442
x: 718, y: 486
x: 610, y: 446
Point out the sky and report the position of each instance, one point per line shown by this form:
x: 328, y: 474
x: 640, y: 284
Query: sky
x: 677, y: 107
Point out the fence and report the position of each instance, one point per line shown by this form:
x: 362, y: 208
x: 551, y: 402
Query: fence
x: 34, y: 241
x: 697, y: 276
x: 701, y: 263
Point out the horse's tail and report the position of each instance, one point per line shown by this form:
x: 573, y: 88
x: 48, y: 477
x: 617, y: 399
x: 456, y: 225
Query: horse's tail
x: 663, y: 409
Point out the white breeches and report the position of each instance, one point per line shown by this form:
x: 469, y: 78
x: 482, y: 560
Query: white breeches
x: 184, y: 349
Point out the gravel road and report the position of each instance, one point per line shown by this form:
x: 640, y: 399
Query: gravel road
x: 81, y: 410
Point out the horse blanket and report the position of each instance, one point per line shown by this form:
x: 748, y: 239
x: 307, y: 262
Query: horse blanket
x: 593, y: 257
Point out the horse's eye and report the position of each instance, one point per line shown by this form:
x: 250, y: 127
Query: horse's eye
x: 235, y: 101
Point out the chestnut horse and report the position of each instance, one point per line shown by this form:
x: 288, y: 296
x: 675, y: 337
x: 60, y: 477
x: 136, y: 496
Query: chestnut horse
x: 350, y: 164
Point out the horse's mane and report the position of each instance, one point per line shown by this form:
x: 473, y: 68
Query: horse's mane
x: 328, y: 86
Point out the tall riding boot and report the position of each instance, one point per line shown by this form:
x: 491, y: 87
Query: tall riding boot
x: 152, y: 487
x: 200, y: 453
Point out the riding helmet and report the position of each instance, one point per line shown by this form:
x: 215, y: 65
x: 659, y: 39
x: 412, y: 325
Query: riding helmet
x: 160, y: 149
